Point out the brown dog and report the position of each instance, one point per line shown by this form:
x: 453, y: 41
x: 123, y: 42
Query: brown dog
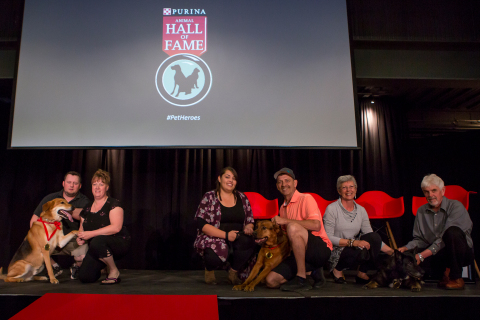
x: 275, y: 249
x: 42, y: 238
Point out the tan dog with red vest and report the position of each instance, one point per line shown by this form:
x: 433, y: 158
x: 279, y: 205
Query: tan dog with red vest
x: 43, y: 237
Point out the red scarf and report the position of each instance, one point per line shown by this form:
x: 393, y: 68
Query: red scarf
x: 57, y: 224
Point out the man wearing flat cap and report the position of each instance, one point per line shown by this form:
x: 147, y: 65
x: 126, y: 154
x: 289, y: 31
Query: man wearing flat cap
x: 300, y: 217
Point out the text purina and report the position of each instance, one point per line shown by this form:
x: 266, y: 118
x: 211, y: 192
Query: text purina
x: 188, y: 11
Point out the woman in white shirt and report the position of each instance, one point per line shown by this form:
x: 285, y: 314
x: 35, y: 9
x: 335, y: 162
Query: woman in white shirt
x: 348, y: 227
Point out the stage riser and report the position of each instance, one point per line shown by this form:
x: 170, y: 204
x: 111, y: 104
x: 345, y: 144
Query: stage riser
x: 365, y: 308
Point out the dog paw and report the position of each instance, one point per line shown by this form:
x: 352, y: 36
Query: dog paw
x: 416, y: 288
x: 54, y: 281
x: 249, y: 289
x: 396, y: 284
x: 370, y: 285
x: 238, y: 287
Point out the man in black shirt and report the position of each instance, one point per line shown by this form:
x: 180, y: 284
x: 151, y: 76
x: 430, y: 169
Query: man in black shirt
x: 70, y: 192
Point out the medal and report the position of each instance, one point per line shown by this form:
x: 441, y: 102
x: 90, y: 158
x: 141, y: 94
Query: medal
x: 47, y: 247
x: 269, y: 255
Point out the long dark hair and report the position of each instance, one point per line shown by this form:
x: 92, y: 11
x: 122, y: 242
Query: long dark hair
x: 222, y: 172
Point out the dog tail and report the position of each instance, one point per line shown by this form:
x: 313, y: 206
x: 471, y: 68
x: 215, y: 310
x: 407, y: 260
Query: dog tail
x: 2, y: 276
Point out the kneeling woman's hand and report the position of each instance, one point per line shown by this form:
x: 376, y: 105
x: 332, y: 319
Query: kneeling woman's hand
x: 248, y: 229
x: 232, y: 235
x: 85, y: 235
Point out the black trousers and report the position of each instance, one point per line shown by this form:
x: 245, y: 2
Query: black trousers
x: 316, y: 255
x: 240, y: 252
x: 454, y: 255
x: 352, y: 257
x: 101, y: 247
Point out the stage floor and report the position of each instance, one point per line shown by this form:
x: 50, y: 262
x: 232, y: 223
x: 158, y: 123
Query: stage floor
x: 161, y: 282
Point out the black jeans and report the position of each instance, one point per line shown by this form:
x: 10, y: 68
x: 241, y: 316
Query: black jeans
x: 242, y: 249
x: 101, y: 247
x: 454, y: 255
x: 351, y: 257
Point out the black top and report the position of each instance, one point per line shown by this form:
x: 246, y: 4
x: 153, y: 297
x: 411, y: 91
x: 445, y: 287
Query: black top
x: 101, y: 218
x: 80, y: 201
x: 232, y: 218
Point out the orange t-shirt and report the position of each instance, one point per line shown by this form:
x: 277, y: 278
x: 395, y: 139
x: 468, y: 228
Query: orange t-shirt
x: 303, y: 207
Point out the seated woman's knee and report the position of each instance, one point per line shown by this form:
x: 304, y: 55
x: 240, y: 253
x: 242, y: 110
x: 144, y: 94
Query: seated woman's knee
x: 372, y: 237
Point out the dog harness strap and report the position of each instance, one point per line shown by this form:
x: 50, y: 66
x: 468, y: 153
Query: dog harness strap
x: 57, y: 227
x: 271, y: 248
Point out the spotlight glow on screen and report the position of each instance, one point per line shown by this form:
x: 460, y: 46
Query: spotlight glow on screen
x: 208, y: 73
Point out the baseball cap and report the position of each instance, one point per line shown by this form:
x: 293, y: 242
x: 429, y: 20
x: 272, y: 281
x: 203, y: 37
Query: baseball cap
x: 284, y: 171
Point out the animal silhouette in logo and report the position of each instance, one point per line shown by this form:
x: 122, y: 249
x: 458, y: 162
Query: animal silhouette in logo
x: 185, y: 84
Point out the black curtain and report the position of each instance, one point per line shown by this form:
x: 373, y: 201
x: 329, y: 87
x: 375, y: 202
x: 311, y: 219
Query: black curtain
x: 161, y: 188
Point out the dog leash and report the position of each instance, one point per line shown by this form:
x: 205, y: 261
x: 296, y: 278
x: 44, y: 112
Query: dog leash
x: 58, y: 226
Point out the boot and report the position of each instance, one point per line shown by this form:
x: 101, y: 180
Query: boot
x: 210, y: 277
x: 233, y: 277
x: 445, y: 279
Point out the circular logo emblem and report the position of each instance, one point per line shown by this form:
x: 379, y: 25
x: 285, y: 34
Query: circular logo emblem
x: 183, y: 80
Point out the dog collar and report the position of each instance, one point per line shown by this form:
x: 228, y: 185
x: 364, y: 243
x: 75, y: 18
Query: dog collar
x: 58, y: 226
x: 271, y: 248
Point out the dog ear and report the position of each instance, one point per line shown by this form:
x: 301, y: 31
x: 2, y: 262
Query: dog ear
x: 278, y: 230
x: 48, y: 206
x: 397, y: 254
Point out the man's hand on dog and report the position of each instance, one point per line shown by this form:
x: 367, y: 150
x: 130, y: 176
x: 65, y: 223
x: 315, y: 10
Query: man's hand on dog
x: 80, y: 241
x: 403, y: 249
x: 279, y: 220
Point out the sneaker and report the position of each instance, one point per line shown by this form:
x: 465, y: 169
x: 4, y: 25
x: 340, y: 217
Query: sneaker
x: 296, y: 284
x: 57, y: 270
x: 74, y: 269
x: 318, y: 278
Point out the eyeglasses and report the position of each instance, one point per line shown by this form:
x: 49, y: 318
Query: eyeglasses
x: 348, y: 188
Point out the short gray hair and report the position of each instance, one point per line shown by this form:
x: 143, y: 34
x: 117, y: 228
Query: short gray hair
x: 346, y: 178
x: 432, y: 179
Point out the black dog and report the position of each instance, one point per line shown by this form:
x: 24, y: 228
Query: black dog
x: 185, y: 84
x: 398, y: 270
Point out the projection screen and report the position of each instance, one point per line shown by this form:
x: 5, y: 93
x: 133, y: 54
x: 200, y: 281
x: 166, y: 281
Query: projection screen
x: 205, y: 73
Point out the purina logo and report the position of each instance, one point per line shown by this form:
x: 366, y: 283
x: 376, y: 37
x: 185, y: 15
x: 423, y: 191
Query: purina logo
x: 191, y: 12
x: 184, y: 79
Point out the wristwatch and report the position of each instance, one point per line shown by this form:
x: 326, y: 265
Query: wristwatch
x: 420, y: 257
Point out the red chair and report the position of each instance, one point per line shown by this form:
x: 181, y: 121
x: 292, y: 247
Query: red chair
x: 321, y: 203
x: 261, y: 207
x: 380, y: 205
x: 451, y: 192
